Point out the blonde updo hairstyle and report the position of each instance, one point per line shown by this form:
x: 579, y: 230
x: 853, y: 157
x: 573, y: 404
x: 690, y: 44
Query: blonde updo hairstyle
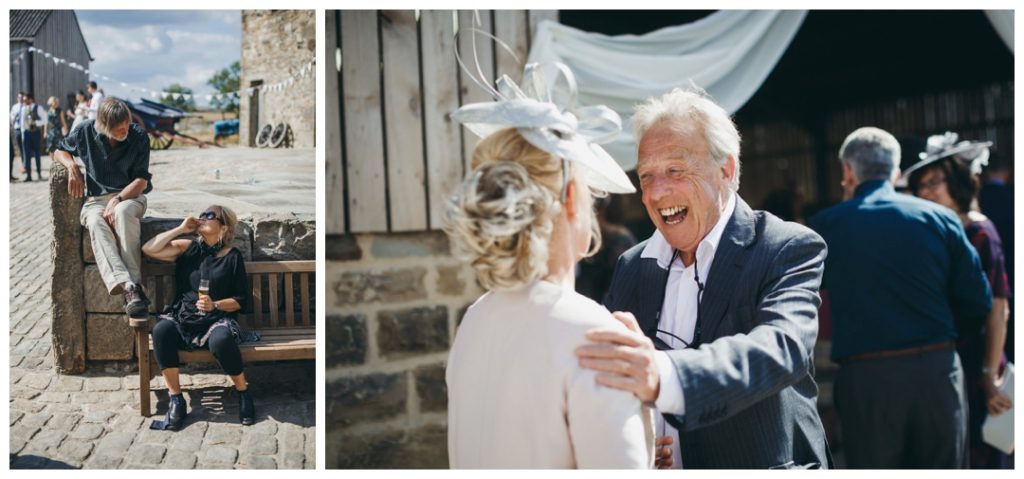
x: 501, y: 216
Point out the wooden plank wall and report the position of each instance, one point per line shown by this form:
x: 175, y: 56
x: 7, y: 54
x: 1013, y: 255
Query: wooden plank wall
x: 393, y: 153
x: 984, y: 113
x: 780, y: 154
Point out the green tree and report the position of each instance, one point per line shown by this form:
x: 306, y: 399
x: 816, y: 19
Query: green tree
x: 180, y: 97
x: 226, y: 81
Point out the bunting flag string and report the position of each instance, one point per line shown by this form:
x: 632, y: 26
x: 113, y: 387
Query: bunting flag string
x: 278, y: 87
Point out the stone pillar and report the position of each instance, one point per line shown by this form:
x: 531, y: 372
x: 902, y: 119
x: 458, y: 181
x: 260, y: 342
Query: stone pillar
x: 68, y: 314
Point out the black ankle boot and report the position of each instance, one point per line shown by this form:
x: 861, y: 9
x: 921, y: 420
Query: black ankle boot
x: 176, y: 412
x: 246, y: 408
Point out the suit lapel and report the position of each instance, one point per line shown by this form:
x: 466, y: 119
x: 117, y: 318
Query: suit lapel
x: 730, y: 255
x: 651, y: 280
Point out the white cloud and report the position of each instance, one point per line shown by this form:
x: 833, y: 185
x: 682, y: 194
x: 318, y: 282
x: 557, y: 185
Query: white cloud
x: 154, y: 49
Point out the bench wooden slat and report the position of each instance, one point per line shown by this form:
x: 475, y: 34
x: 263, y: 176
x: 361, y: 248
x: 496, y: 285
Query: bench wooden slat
x: 304, y: 349
x: 272, y: 297
x: 271, y: 336
x: 289, y: 300
x: 280, y: 332
x: 304, y: 294
x: 280, y: 267
x: 257, y: 300
x: 167, y: 269
x: 158, y: 269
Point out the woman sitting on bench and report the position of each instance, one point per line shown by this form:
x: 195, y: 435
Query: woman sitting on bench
x: 197, y: 320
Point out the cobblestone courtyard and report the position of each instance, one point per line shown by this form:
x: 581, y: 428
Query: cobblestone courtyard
x: 92, y: 420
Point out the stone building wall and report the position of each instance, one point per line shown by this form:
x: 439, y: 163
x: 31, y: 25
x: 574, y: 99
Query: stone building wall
x: 393, y: 302
x: 275, y: 44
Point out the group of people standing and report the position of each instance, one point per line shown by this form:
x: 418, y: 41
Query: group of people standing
x: 32, y: 124
x: 702, y: 354
x: 918, y: 291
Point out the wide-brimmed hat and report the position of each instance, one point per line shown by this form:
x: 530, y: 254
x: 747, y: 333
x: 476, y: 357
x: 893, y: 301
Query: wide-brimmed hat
x: 974, y: 153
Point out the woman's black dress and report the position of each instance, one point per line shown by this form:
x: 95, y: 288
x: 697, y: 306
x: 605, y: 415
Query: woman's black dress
x: 227, y: 280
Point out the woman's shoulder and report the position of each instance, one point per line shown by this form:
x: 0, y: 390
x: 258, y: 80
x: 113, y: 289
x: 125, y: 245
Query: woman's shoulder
x: 575, y: 312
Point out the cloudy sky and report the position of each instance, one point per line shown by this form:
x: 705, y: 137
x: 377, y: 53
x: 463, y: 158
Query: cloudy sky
x: 154, y: 48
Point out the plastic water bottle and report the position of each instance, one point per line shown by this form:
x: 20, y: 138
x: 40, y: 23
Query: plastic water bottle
x: 216, y: 173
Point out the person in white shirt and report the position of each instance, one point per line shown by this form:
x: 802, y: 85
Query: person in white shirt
x: 721, y: 302
x: 517, y: 396
x: 16, y: 130
x: 81, y: 112
x: 95, y: 99
x: 32, y: 120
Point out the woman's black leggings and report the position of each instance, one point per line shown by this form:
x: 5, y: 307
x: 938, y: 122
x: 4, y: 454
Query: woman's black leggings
x: 167, y: 341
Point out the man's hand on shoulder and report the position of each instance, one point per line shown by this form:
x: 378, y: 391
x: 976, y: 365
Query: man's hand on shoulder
x: 623, y: 359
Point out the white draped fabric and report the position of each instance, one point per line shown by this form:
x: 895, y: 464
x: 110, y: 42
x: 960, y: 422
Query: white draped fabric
x: 728, y: 53
x: 1002, y: 22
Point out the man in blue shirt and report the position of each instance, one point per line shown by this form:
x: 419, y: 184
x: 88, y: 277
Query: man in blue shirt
x: 115, y: 152
x: 899, y: 269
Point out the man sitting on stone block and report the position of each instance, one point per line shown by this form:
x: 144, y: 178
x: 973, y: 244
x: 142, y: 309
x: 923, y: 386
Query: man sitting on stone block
x: 115, y: 152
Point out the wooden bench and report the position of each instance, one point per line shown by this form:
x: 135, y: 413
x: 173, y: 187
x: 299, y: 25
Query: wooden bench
x: 286, y: 326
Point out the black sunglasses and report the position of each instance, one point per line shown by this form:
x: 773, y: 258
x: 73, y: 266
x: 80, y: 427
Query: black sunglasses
x: 209, y: 215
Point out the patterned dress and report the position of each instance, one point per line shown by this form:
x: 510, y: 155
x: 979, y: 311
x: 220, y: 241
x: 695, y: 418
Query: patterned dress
x: 971, y: 344
x: 54, y: 130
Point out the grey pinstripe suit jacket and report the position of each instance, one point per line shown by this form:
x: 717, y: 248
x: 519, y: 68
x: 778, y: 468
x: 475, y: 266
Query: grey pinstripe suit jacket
x: 749, y: 387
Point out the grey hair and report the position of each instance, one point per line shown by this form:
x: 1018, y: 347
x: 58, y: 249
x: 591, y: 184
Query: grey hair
x: 686, y: 108
x: 111, y: 113
x: 872, y: 153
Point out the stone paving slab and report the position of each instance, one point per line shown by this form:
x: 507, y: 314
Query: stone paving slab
x: 252, y: 181
x: 92, y: 420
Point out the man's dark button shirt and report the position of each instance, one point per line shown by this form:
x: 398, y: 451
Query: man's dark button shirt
x: 899, y: 269
x: 109, y: 169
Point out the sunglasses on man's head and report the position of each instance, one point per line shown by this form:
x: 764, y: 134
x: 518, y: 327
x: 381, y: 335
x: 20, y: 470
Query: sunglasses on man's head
x: 210, y: 215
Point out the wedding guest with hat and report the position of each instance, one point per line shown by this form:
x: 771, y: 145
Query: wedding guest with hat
x: 523, y: 218
x: 948, y: 175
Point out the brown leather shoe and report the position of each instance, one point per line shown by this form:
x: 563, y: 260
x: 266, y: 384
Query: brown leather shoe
x: 136, y: 304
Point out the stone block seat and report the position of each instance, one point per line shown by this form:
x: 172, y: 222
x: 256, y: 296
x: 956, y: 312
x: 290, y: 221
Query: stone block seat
x: 279, y: 309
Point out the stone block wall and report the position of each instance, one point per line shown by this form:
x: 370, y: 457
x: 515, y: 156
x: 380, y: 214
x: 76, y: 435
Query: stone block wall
x: 393, y: 302
x: 275, y: 44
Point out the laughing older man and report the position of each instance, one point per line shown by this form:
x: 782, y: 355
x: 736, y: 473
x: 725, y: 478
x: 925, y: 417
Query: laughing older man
x: 722, y: 302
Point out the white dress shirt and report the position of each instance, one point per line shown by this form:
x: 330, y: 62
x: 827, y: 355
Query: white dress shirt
x: 679, y: 315
x: 94, y: 104
x: 16, y: 115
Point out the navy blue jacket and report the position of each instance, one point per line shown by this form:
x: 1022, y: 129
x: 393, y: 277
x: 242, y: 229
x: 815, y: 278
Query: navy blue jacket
x: 899, y: 269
